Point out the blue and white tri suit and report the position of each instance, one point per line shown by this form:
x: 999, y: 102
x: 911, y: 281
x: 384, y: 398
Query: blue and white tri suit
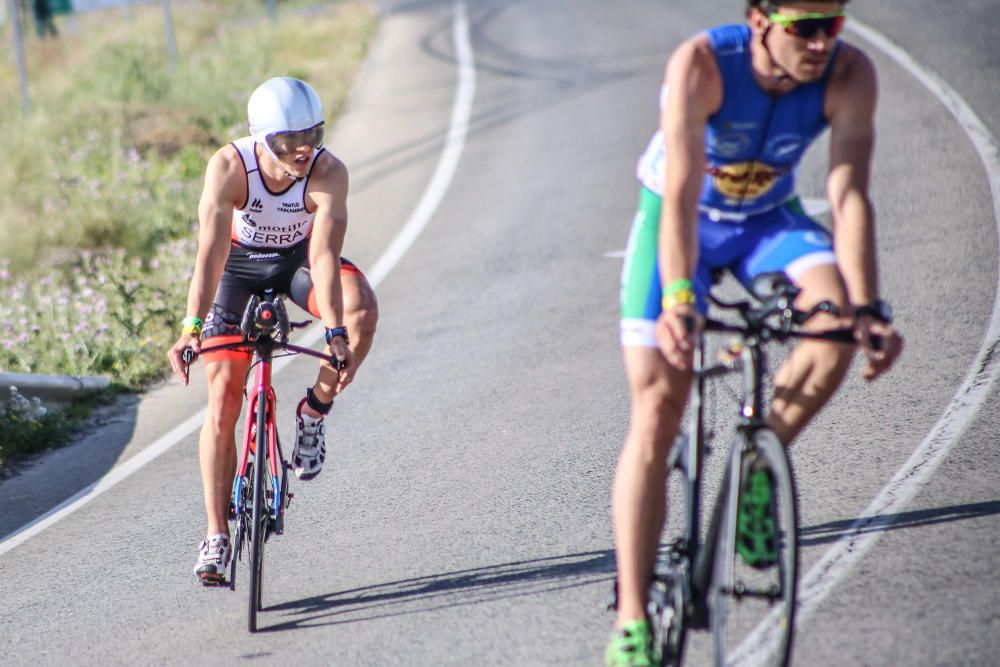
x: 750, y: 219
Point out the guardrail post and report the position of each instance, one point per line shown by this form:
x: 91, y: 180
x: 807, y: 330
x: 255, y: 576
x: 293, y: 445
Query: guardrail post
x: 22, y: 71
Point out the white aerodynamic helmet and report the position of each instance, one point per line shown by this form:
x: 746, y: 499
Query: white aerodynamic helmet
x: 283, y: 104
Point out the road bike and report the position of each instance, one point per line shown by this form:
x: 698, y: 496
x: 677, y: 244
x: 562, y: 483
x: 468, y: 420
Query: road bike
x: 260, y: 487
x: 739, y: 577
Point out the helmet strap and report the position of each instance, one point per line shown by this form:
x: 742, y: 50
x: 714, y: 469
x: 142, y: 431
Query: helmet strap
x: 281, y: 165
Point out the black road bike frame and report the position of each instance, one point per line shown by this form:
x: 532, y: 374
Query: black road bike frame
x: 689, y: 576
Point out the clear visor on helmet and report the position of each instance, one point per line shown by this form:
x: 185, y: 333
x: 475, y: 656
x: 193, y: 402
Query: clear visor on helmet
x: 285, y: 143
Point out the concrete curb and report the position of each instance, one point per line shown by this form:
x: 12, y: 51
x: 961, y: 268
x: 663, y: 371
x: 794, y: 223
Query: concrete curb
x: 50, y: 388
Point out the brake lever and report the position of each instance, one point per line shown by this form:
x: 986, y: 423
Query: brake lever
x: 821, y: 307
x: 741, y: 306
x: 188, y: 355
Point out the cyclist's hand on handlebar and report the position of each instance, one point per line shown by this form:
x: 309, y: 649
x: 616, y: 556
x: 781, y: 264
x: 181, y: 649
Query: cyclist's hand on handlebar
x: 677, y: 332
x: 881, y: 344
x: 188, y: 341
x: 338, y: 348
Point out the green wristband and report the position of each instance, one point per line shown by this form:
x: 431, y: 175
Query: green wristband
x: 679, y: 285
x: 191, y: 325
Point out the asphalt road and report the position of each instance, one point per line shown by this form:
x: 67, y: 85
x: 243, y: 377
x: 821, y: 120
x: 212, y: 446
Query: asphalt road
x: 462, y: 518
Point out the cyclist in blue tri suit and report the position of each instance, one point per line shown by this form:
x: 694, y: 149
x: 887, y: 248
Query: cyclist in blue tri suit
x: 273, y: 215
x: 740, y: 105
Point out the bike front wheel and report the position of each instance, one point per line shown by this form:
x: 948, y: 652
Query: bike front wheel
x: 259, y: 520
x: 754, y: 584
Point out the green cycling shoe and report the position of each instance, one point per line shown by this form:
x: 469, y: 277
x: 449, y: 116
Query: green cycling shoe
x: 632, y: 646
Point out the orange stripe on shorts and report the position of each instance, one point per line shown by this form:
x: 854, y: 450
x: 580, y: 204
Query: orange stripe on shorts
x: 237, y: 354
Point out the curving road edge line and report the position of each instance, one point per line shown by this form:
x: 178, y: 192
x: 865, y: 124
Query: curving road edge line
x: 867, y: 528
x: 444, y: 172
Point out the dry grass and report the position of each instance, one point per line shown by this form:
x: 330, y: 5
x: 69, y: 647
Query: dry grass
x: 113, y: 152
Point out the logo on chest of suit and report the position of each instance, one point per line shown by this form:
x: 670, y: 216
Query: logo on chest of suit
x: 784, y: 147
x: 256, y: 206
x: 277, y: 235
x: 744, y: 180
x: 291, y: 207
x: 730, y: 144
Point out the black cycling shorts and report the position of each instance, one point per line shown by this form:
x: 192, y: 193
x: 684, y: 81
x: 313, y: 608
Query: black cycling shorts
x: 251, y: 271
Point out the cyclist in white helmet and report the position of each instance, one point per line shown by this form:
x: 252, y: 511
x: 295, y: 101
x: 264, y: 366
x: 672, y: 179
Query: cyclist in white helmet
x: 273, y: 215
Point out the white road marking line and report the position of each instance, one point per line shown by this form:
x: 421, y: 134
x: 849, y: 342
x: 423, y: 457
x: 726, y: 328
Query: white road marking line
x: 861, y: 536
x: 443, y: 174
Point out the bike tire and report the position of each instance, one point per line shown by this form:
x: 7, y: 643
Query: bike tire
x: 243, y: 514
x: 259, y: 520
x: 670, y: 595
x: 753, y: 601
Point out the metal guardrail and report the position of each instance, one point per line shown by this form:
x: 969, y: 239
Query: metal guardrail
x: 50, y: 388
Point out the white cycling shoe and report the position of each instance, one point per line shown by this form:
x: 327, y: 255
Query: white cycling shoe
x: 310, y: 444
x: 213, y: 558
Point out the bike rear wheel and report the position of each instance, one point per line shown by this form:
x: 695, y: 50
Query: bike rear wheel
x: 671, y: 598
x: 242, y: 515
x: 754, y: 584
x: 668, y: 599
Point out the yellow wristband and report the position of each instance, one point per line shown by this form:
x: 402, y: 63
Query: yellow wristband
x: 678, y: 298
x: 191, y: 325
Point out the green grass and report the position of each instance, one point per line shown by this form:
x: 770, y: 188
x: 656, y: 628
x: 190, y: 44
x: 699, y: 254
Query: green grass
x: 99, y: 190
x: 29, y: 427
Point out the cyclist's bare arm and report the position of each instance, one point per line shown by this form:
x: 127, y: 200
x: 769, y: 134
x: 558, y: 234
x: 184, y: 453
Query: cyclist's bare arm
x: 224, y: 190
x: 694, y: 88
x: 327, y: 192
x: 850, y: 108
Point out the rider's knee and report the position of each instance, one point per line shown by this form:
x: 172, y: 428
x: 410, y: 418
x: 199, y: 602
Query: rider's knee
x: 362, y: 319
x: 657, y: 411
x: 225, y: 401
x: 361, y: 310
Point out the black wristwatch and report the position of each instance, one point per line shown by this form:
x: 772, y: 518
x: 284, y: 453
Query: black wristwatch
x: 336, y: 331
x: 878, y: 309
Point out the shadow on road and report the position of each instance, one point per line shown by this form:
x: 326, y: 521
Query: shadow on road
x: 451, y: 589
x: 831, y: 532
x: 40, y: 485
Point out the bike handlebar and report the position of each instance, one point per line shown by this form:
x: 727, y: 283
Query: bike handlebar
x: 265, y: 323
x: 189, y: 355
x: 775, y: 295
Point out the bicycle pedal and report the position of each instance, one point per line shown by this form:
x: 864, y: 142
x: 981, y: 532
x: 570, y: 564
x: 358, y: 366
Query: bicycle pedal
x: 212, y: 582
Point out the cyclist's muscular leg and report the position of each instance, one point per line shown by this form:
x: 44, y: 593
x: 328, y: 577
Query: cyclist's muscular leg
x: 659, y: 393
x: 361, y: 319
x: 814, y: 370
x: 217, y: 443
